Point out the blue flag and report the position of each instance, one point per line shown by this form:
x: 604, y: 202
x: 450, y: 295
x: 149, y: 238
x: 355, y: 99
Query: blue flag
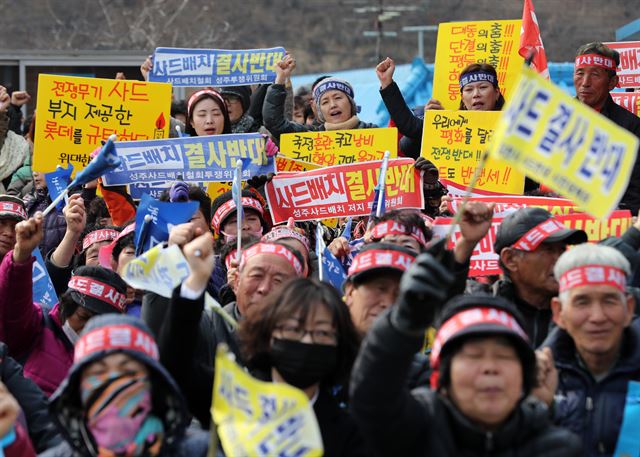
x: 346, y: 231
x: 58, y: 181
x: 155, y: 219
x: 331, y: 270
x: 106, y: 160
x: 628, y: 439
x: 43, y: 291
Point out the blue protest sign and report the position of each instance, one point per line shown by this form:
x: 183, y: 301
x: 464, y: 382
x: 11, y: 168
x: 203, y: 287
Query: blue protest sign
x: 155, y: 189
x: 57, y: 182
x: 154, y: 220
x: 215, y: 67
x: 201, y: 158
x: 331, y: 269
x: 43, y: 290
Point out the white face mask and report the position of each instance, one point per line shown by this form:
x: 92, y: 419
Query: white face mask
x: 71, y: 333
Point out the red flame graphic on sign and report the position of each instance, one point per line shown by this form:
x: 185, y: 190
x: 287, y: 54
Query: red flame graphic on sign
x: 160, y: 122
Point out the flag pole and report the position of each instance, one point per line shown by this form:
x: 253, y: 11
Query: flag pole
x: 319, y: 253
x: 239, y: 212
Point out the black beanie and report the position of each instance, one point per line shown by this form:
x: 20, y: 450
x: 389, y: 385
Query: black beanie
x: 242, y: 92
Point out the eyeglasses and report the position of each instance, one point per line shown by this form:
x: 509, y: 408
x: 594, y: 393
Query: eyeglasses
x: 232, y: 100
x: 291, y: 332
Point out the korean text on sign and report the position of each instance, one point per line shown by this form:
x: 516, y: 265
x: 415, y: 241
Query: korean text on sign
x: 505, y: 204
x: 462, y: 43
x: 484, y: 259
x: 202, y: 158
x: 261, y: 419
x: 215, y: 67
x: 628, y: 100
x: 337, y: 147
x: 455, y: 142
x: 342, y: 191
x: 629, y: 68
x: 564, y: 144
x: 76, y: 114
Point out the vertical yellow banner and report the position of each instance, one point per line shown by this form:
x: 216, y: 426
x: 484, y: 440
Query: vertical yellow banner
x: 75, y: 114
x: 462, y: 43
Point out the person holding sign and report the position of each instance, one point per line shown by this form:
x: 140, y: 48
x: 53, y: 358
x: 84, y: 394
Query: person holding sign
x: 207, y: 114
x: 334, y: 99
x: 303, y: 336
x: 594, y: 76
x: 479, y: 91
x: 596, y: 347
x: 118, y: 400
x: 483, y: 372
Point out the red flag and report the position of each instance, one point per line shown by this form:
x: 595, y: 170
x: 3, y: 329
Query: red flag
x: 530, y: 39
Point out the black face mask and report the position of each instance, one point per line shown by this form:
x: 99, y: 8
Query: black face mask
x: 301, y: 364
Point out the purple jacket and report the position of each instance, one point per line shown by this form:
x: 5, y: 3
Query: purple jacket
x: 36, y: 340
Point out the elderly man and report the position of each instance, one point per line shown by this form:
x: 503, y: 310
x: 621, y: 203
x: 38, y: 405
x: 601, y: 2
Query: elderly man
x: 12, y: 211
x: 190, y: 334
x: 594, y: 77
x: 529, y: 242
x: 596, y: 347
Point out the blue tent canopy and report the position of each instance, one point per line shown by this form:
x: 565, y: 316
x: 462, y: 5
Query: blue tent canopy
x: 416, y: 83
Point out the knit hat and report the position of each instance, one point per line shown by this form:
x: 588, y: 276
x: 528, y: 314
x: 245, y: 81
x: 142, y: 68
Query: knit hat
x: 224, y: 207
x: 12, y: 207
x: 527, y: 228
x: 379, y: 258
x: 200, y: 95
x: 103, y: 336
x: 329, y: 84
x: 468, y: 316
x: 98, y: 289
x: 242, y: 92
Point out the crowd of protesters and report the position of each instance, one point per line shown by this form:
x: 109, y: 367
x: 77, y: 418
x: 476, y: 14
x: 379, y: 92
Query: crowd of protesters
x: 537, y: 362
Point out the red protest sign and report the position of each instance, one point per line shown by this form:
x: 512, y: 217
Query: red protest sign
x: 342, y: 190
x: 506, y: 204
x: 628, y: 100
x: 484, y: 261
x: 629, y: 68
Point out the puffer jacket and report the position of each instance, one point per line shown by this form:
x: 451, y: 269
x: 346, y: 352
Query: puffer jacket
x: 32, y: 335
x: 593, y: 410
x: 275, y: 121
x: 33, y: 403
x: 399, y: 422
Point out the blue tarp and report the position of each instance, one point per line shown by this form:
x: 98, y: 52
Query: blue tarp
x: 416, y: 83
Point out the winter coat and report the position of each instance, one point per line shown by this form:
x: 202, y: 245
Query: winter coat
x: 32, y: 402
x: 628, y: 121
x: 55, y: 224
x: 275, y: 121
x: 32, y: 335
x: 187, y: 342
x: 593, y: 410
x: 246, y: 124
x: 194, y: 444
x: 400, y: 422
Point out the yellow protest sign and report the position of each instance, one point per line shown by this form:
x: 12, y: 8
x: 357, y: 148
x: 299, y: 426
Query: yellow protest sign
x: 257, y: 418
x: 286, y: 164
x: 75, y: 114
x: 337, y: 147
x: 159, y: 269
x: 455, y: 141
x: 462, y: 43
x: 564, y: 144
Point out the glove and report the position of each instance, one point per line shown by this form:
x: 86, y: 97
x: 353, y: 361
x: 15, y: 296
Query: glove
x: 431, y: 173
x: 423, y: 291
x: 258, y: 181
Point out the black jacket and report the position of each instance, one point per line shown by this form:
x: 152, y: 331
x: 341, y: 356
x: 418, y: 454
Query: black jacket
x: 398, y: 422
x: 628, y: 121
x: 593, y: 410
x: 187, y: 342
x: 274, y: 120
x: 42, y: 431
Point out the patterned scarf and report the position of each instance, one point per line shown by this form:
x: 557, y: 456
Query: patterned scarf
x: 118, y: 407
